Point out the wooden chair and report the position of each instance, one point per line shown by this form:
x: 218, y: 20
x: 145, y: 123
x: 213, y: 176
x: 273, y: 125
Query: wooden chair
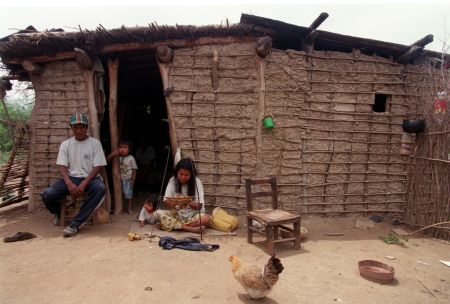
x: 270, y: 220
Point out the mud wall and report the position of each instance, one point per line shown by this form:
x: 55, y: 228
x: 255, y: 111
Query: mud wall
x: 60, y: 92
x: 330, y: 151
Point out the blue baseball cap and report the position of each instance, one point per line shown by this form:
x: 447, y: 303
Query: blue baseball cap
x: 78, y: 118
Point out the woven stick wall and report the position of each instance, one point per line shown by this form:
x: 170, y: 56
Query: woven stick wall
x: 14, y: 173
x: 428, y: 199
x: 330, y: 151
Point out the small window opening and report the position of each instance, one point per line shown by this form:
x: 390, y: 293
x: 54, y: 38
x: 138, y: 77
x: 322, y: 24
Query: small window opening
x: 379, y: 105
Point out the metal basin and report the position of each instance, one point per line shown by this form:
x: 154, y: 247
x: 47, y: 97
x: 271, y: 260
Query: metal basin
x: 376, y: 271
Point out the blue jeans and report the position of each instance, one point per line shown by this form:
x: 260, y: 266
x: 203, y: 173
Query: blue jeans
x: 95, y: 192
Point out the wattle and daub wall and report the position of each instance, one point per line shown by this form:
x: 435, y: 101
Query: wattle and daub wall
x: 330, y: 151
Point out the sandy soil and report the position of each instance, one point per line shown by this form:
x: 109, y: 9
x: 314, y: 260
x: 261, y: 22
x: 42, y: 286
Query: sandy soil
x: 100, y: 265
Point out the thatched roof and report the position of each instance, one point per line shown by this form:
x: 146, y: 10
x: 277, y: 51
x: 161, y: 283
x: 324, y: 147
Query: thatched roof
x: 29, y: 44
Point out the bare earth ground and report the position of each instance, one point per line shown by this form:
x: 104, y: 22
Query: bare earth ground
x: 99, y: 265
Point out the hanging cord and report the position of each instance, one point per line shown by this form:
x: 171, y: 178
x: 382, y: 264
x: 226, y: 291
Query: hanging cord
x: 158, y: 204
x: 194, y: 173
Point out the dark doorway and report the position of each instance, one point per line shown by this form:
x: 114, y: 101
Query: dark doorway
x: 142, y: 119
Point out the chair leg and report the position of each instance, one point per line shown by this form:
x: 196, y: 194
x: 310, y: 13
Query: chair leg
x: 249, y: 230
x: 297, y: 235
x: 269, y: 237
x: 62, y: 215
x: 275, y: 232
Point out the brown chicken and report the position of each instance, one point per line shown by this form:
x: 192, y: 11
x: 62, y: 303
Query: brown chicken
x: 256, y: 281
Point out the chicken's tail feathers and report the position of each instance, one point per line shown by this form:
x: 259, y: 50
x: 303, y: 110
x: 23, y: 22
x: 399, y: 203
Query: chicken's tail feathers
x: 273, y: 266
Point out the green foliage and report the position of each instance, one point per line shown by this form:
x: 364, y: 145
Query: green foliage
x: 20, y: 103
x: 391, y: 239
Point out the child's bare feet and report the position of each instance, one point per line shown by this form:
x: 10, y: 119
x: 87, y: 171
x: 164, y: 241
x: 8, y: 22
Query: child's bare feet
x: 141, y: 224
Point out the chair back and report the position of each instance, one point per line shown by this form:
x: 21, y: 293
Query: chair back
x: 272, y: 181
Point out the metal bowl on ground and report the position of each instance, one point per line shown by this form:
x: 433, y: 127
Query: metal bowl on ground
x: 413, y: 125
x: 376, y: 271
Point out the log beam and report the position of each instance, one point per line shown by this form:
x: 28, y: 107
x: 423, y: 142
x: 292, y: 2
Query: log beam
x: 308, y: 41
x: 316, y: 23
x: 135, y: 46
x: 263, y: 46
x: 164, y: 70
x: 413, y: 52
x: 113, y: 69
x: 31, y: 67
x: 164, y: 53
x: 307, y: 44
x: 83, y: 59
x: 424, y: 41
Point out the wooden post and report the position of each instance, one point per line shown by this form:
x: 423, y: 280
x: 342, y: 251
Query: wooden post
x: 263, y: 46
x: 261, y: 69
x: 164, y: 53
x: 113, y: 68
x: 214, y: 69
x: 31, y: 67
x: 164, y: 70
x: 83, y: 59
x: 94, y: 125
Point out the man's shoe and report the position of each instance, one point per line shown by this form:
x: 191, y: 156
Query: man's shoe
x: 56, y: 220
x: 19, y: 236
x: 70, y: 231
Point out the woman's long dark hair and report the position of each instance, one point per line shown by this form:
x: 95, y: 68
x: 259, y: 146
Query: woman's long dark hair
x: 187, y: 164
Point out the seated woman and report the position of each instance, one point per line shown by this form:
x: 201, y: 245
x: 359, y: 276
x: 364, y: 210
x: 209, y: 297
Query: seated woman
x: 188, y: 215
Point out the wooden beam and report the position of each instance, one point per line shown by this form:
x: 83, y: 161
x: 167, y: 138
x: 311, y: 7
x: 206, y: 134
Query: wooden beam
x: 134, y: 46
x: 424, y: 41
x: 413, y: 52
x: 5, y: 84
x: 83, y: 59
x: 164, y: 53
x: 263, y: 46
x: 113, y: 69
x: 316, y: 23
x: 31, y: 67
x: 261, y: 72
x: 308, y: 41
x: 164, y: 70
x: 94, y: 125
x: 215, y: 69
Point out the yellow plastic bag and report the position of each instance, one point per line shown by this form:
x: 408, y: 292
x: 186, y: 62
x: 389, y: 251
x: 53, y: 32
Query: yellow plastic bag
x: 221, y: 220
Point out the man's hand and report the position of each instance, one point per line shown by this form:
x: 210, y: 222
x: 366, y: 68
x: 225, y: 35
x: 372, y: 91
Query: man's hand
x: 81, y: 187
x: 73, y: 189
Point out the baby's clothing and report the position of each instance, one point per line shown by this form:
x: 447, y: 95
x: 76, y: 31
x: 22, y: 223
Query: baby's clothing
x: 149, y: 218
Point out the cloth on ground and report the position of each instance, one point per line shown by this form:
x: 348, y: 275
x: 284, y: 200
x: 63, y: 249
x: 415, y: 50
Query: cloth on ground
x: 193, y: 244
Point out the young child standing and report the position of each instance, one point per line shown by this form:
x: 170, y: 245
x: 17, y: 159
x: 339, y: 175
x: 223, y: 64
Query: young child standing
x: 128, y: 169
x: 148, y: 214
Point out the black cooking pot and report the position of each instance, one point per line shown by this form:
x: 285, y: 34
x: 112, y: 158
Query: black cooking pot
x: 413, y: 125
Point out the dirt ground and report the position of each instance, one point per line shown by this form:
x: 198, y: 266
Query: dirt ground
x: 99, y: 265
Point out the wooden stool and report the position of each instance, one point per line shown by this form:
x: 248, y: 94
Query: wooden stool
x: 68, y: 204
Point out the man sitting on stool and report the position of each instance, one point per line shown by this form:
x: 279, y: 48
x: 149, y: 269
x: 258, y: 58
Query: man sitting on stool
x: 80, y: 160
